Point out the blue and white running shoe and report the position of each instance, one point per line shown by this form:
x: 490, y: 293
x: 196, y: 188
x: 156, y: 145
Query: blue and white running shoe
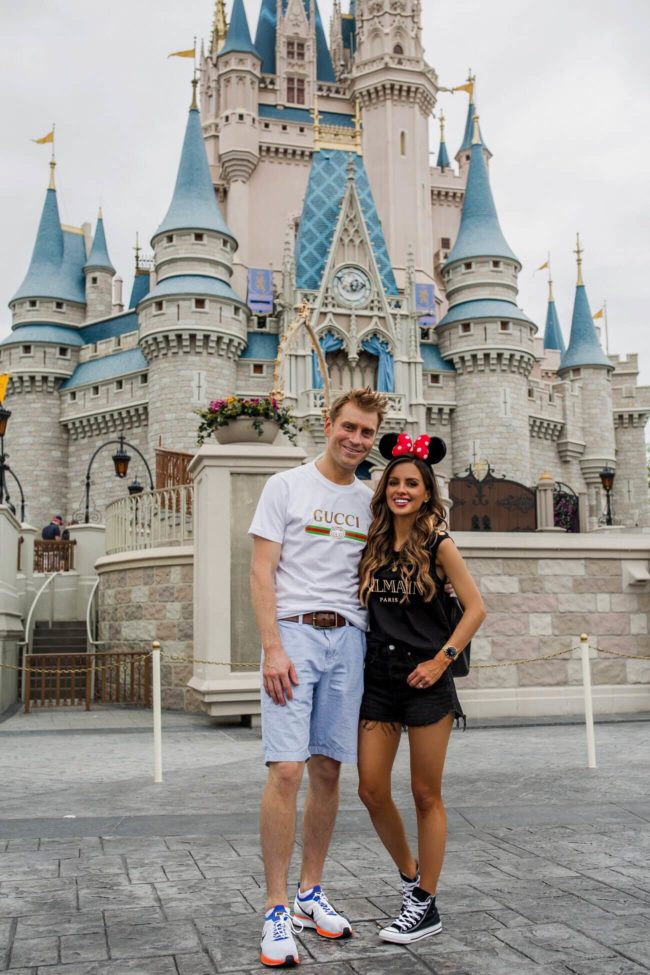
x: 278, y: 945
x: 313, y: 910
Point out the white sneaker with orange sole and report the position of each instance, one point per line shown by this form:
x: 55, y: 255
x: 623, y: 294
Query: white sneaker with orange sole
x: 278, y: 948
x: 313, y: 910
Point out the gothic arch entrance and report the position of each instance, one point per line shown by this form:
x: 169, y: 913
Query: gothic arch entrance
x: 491, y: 503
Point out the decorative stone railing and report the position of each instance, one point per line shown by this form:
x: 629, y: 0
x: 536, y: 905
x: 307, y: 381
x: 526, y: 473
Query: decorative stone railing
x: 150, y: 520
x: 313, y: 401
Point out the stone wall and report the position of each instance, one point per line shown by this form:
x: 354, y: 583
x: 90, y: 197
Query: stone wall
x: 146, y: 596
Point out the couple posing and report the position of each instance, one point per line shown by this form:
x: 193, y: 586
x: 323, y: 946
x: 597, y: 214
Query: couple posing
x: 316, y: 589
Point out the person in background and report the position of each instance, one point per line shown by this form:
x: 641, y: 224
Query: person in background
x: 408, y: 682
x: 52, y: 532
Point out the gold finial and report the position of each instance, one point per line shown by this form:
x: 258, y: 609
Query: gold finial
x: 194, y: 104
x: 52, y: 184
x: 100, y: 214
x: 550, y: 279
x: 471, y: 78
x: 442, y: 126
x: 579, y: 252
x: 476, y: 135
x: 351, y: 170
x: 219, y: 27
x: 316, y: 118
x: 137, y: 250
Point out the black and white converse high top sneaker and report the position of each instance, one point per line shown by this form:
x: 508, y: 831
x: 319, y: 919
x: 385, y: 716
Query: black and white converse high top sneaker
x: 420, y: 919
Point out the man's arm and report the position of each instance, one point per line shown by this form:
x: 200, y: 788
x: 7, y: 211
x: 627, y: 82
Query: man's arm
x: 278, y: 671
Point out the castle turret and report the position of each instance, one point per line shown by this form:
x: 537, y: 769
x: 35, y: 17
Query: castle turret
x: 53, y: 288
x: 398, y: 91
x: 585, y: 364
x: 486, y: 336
x: 192, y: 323
x: 99, y: 276
x: 40, y: 353
x: 553, y: 338
x: 238, y: 72
x: 442, y: 161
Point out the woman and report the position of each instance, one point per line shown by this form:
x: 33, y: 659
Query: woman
x: 408, y: 683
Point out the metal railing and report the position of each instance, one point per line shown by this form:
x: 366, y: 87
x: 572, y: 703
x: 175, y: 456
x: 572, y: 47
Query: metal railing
x: 54, y: 556
x: 29, y: 623
x: 91, y: 617
x: 150, y: 520
x: 72, y: 679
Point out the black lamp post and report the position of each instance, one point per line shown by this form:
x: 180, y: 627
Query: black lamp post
x: 6, y: 469
x: 607, y: 476
x: 135, y: 488
x: 121, y: 463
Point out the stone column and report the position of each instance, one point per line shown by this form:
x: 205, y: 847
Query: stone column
x: 228, y: 481
x: 91, y: 545
x: 545, y: 514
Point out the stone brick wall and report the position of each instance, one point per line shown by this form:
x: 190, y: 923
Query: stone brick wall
x: 151, y: 598
x: 539, y: 605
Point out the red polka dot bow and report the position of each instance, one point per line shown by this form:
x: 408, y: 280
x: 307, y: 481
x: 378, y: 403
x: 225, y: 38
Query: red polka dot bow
x: 405, y: 445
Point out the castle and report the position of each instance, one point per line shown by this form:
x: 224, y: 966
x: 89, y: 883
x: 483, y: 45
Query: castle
x: 305, y: 177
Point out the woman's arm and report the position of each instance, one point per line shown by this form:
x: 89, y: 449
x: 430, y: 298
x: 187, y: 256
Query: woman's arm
x: 451, y: 562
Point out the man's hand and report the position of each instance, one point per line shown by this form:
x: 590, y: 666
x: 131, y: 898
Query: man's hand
x: 279, y: 674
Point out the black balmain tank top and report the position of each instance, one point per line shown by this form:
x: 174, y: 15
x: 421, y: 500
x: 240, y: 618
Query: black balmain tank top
x: 419, y: 624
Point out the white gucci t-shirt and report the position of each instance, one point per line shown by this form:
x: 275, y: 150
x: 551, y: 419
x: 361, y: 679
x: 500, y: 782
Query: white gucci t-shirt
x: 322, y: 528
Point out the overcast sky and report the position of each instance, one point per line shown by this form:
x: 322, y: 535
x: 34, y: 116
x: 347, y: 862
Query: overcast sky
x: 563, y: 92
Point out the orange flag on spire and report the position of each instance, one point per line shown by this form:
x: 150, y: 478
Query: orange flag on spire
x: 182, y: 54
x: 468, y: 87
x: 46, y: 138
x: 4, y: 382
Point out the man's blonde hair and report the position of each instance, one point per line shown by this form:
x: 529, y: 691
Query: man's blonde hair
x: 364, y: 398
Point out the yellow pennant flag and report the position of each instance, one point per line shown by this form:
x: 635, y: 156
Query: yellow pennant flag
x: 469, y: 88
x: 4, y: 382
x: 46, y: 138
x: 542, y: 266
x: 599, y: 314
x: 182, y: 54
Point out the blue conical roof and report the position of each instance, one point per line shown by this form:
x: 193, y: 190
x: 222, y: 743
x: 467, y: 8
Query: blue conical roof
x: 553, y: 338
x: 468, y: 134
x: 584, y: 347
x: 238, y: 37
x: 98, y: 257
x: 265, y: 38
x: 43, y: 275
x: 443, y: 158
x: 194, y: 205
x: 480, y: 233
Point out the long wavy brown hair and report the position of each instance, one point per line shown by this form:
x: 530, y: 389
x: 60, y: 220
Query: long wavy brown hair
x: 414, y: 559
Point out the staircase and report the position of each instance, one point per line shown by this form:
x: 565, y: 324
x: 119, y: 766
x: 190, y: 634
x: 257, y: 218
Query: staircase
x: 64, y: 636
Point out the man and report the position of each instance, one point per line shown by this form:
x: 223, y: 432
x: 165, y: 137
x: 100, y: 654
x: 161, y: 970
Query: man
x: 52, y: 531
x: 308, y: 533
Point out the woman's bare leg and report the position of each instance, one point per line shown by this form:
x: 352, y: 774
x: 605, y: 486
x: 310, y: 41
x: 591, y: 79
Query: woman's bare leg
x: 428, y: 746
x: 378, y: 744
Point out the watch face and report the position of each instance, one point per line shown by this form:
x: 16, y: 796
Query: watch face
x: 352, y: 286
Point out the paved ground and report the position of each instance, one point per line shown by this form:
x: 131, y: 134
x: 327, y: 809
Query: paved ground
x: 103, y: 873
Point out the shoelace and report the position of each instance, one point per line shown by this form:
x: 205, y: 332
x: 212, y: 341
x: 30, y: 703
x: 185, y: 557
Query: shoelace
x: 280, y: 923
x: 325, y: 904
x: 408, y: 886
x: 413, y: 913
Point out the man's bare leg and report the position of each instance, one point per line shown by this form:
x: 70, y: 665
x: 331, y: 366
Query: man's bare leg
x: 278, y: 827
x: 321, y: 806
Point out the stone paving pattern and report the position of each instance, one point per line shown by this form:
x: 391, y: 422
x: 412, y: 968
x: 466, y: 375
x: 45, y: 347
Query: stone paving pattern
x: 546, y: 873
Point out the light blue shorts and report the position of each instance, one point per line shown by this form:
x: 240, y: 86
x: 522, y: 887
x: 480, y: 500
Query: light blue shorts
x: 323, y: 717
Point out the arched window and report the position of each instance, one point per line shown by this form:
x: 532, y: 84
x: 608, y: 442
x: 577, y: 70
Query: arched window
x: 398, y: 49
x: 402, y: 143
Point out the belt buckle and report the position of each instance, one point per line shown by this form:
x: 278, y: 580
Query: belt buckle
x: 324, y: 620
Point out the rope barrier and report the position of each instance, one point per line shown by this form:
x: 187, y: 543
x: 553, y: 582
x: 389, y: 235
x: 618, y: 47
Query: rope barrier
x: 175, y: 658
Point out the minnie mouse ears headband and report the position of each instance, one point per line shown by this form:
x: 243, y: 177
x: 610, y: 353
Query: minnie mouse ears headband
x: 431, y: 450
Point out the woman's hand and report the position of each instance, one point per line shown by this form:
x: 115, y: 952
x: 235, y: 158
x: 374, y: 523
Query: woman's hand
x: 429, y: 671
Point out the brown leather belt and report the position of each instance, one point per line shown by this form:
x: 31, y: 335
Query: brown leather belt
x: 323, y: 620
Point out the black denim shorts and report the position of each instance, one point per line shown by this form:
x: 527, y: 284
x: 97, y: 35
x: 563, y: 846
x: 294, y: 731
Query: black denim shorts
x: 388, y: 698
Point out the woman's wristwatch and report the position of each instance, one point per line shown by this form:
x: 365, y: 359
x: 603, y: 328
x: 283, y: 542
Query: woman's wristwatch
x: 450, y: 652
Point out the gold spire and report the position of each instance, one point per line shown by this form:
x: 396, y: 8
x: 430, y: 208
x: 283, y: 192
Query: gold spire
x: 579, y: 252
x: 442, y: 126
x: 219, y: 26
x: 137, y: 250
x: 550, y: 279
x: 194, y: 104
x: 471, y: 78
x: 476, y: 135
x: 52, y: 184
x: 100, y: 215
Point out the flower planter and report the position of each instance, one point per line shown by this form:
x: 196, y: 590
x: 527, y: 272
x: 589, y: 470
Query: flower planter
x: 241, y: 430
